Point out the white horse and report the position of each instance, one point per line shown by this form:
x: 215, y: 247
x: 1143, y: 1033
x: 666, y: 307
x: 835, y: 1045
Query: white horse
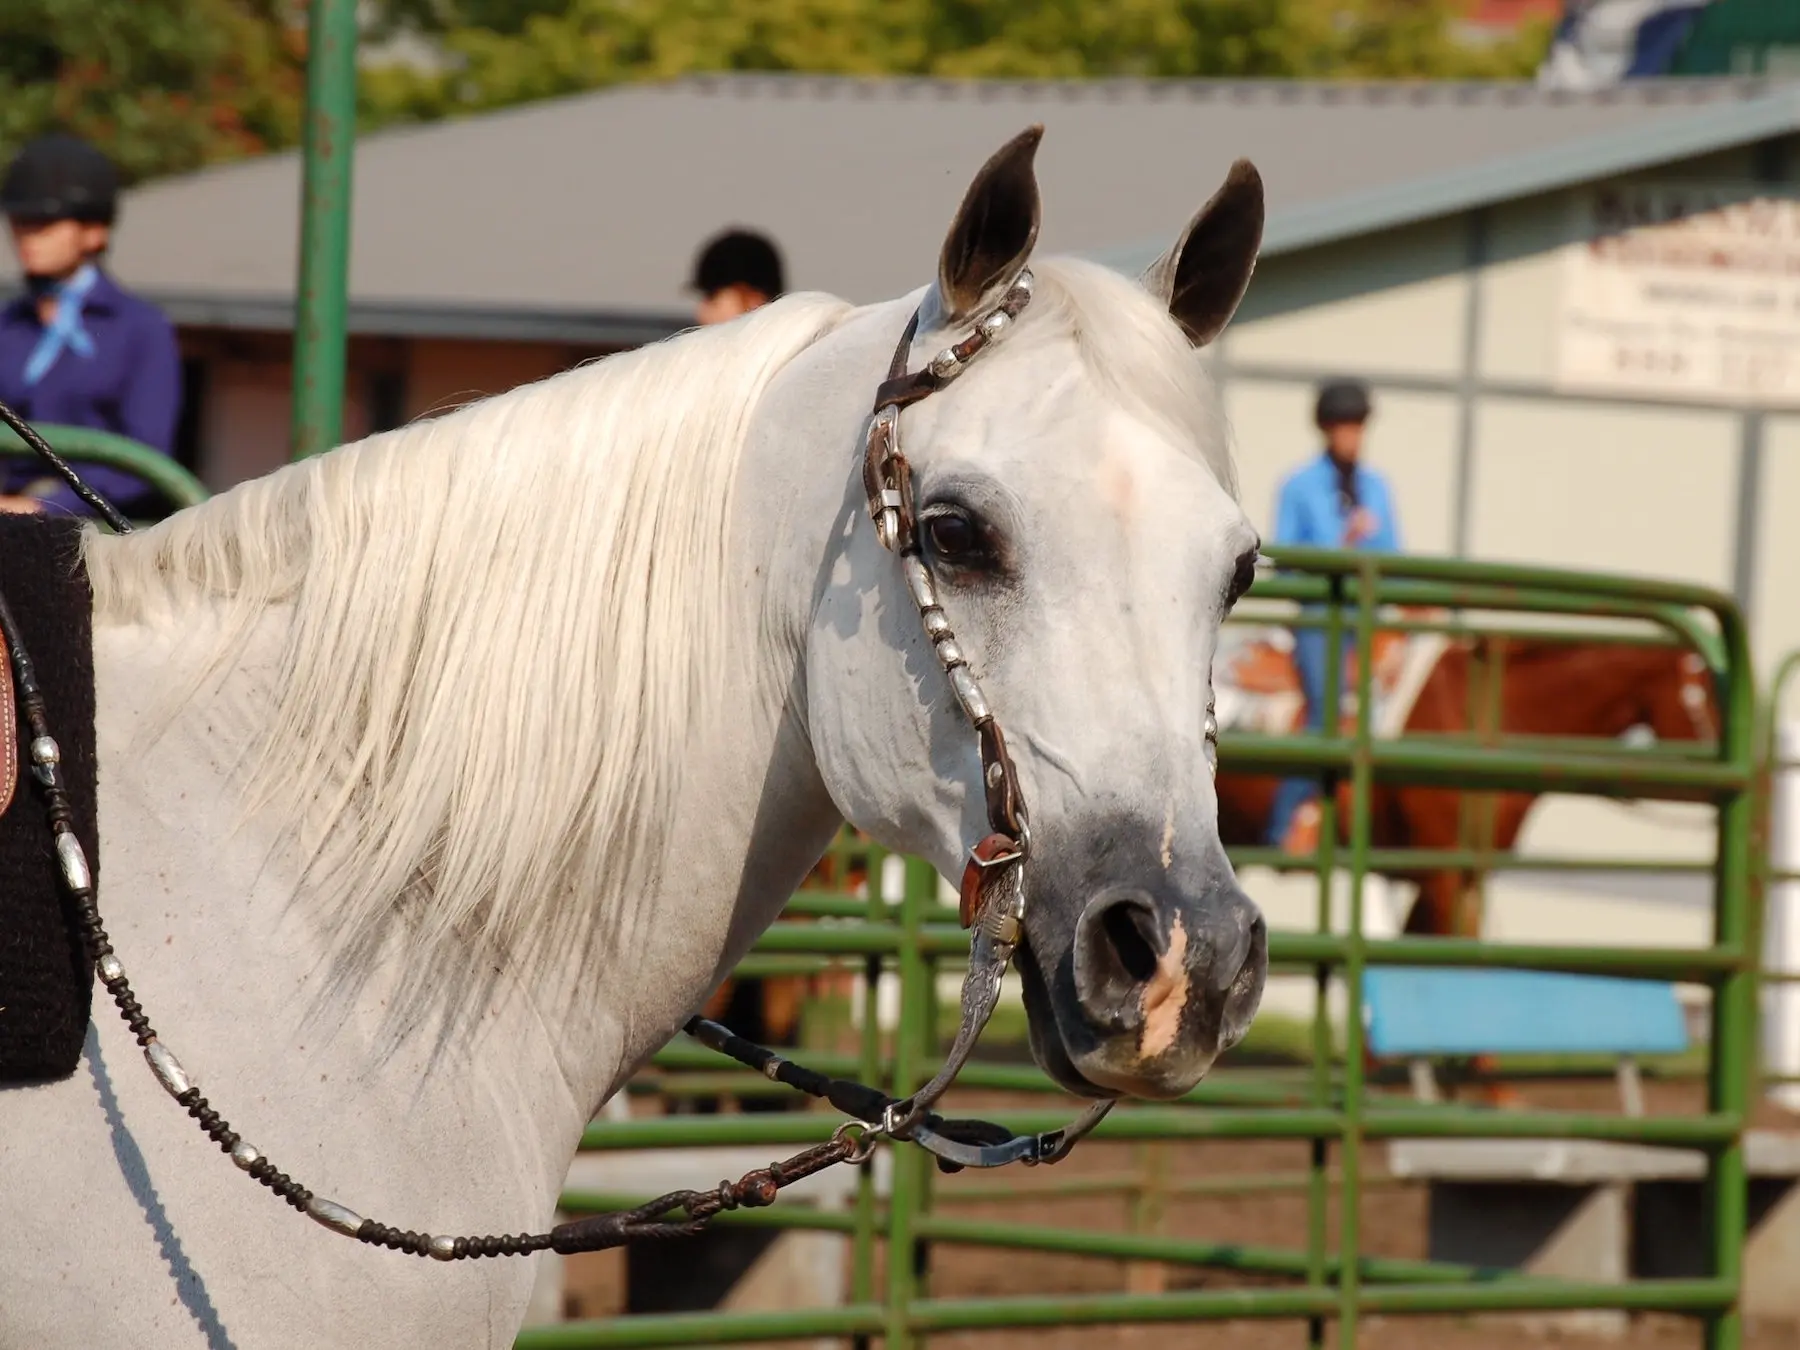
x: 443, y: 776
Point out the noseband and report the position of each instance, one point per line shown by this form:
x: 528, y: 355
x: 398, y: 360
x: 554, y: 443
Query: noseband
x: 992, y: 902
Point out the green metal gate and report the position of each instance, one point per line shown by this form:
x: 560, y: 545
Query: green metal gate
x: 1331, y: 1279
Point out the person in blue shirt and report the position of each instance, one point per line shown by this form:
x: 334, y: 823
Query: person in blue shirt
x: 76, y: 349
x: 1334, y: 501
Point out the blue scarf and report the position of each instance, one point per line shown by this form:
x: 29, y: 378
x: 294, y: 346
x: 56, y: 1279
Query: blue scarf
x: 64, y: 330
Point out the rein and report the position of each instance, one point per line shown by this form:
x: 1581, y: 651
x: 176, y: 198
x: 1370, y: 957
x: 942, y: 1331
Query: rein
x: 992, y: 906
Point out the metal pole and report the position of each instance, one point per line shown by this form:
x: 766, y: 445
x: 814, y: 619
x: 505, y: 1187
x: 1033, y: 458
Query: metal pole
x: 319, y: 315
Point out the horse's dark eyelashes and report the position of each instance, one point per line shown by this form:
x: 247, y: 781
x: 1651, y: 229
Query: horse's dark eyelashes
x: 955, y: 536
x: 1242, y: 577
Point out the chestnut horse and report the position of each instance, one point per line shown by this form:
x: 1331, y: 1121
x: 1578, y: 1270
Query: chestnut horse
x: 1547, y: 688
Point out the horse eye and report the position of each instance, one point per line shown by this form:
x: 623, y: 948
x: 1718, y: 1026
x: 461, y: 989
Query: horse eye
x: 954, y: 537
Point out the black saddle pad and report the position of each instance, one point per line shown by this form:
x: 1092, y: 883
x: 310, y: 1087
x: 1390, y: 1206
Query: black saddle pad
x: 46, y: 983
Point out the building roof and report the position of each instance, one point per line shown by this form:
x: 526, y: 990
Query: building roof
x: 578, y: 218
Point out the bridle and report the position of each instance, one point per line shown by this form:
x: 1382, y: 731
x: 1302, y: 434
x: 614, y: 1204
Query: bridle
x: 992, y: 901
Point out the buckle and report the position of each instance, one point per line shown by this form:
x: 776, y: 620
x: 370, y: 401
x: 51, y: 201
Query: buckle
x: 994, y: 851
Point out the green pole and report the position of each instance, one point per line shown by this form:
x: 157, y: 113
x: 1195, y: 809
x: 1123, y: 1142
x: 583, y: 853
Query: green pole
x: 1734, y: 1001
x: 910, y: 1175
x: 1361, y: 826
x: 330, y: 137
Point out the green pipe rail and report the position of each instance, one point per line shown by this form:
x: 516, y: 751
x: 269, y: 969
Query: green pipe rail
x: 321, y: 311
x: 85, y: 445
x: 913, y: 937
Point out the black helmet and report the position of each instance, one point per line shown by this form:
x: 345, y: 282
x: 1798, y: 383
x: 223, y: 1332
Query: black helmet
x: 60, y: 177
x: 1342, y: 401
x: 739, y: 258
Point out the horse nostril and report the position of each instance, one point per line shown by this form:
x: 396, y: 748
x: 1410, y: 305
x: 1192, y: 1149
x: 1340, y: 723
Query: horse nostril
x: 1123, y: 924
x: 1117, y: 947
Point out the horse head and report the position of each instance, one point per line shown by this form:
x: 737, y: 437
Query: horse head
x: 1679, y: 701
x: 1077, y: 520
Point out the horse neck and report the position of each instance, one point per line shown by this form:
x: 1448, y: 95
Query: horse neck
x: 521, y: 1054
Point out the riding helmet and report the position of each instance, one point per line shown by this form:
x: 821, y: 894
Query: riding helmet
x: 1342, y: 401
x: 60, y: 177
x: 739, y: 258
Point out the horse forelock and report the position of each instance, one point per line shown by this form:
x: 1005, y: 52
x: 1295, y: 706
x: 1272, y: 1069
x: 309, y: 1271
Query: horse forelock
x: 1137, y: 355
x: 505, y: 622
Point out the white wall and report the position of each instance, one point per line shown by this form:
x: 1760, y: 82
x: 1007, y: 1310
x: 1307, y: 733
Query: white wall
x: 1609, y: 488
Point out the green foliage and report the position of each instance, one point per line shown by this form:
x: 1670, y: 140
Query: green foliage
x: 169, y: 85
x: 508, y: 51
x: 161, y: 85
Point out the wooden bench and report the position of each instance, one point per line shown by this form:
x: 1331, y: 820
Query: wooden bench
x: 1421, y: 1013
x: 1586, y: 1210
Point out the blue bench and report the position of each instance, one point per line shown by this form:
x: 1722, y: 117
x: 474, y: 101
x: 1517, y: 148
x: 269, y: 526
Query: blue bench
x: 1422, y: 1012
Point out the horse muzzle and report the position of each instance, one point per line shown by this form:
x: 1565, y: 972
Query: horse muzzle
x: 1154, y: 985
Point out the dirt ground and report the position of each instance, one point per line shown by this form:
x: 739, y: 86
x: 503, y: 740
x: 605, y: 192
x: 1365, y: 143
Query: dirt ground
x: 1393, y: 1224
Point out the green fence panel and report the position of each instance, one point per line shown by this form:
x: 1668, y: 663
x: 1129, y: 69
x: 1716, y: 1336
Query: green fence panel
x: 1327, y: 1103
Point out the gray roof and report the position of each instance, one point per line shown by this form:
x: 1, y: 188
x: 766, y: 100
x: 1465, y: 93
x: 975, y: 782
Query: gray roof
x: 578, y: 218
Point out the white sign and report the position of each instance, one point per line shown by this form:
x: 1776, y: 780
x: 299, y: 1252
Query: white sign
x: 1683, y: 292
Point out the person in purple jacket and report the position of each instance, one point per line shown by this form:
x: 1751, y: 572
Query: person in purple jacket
x: 76, y: 349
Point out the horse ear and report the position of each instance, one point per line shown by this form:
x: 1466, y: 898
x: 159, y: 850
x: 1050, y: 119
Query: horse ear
x: 1204, y: 276
x: 995, y: 227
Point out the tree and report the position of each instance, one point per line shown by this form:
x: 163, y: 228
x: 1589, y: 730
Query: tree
x: 508, y: 51
x: 161, y: 85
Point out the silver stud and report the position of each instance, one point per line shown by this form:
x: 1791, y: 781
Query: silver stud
x: 946, y: 364
x: 918, y: 581
x: 995, y: 324
x: 968, y: 693
x: 334, y: 1216
x: 245, y: 1155
x: 110, y: 969
x: 937, y: 623
x: 74, y: 862
x: 44, y: 750
x: 948, y: 652
x: 167, y: 1069
x: 444, y: 1248
x: 996, y: 771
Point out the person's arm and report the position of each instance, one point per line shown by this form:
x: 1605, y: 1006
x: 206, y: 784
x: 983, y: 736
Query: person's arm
x: 149, y: 407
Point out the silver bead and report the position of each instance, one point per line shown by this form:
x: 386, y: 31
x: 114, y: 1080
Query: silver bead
x: 110, y: 969
x: 948, y: 652
x: 167, y: 1069
x: 44, y: 750
x: 244, y: 1154
x: 995, y: 324
x: 444, y: 1248
x: 946, y: 364
x: 969, y: 694
x: 918, y: 581
x: 74, y: 862
x: 937, y: 623
x: 1024, y: 285
x: 334, y: 1216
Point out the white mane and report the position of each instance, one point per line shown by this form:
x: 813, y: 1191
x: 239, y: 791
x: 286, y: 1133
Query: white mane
x: 530, y: 756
